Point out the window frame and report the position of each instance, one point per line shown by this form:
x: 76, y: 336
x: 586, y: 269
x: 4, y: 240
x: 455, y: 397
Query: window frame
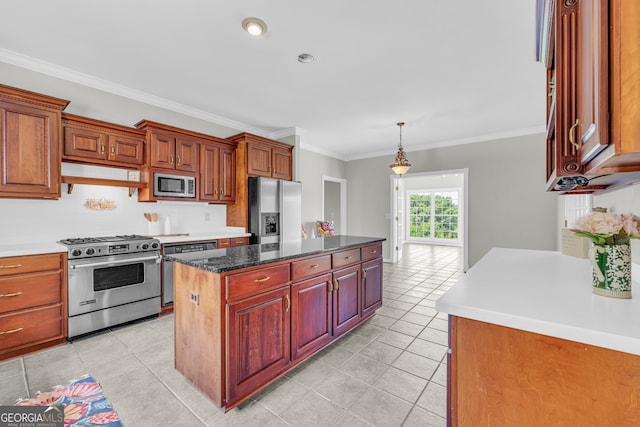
x: 433, y: 240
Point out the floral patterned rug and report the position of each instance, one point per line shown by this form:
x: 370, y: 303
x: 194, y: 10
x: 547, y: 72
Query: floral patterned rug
x: 83, y: 401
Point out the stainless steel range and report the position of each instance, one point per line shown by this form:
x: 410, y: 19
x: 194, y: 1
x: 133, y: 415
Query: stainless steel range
x: 111, y: 280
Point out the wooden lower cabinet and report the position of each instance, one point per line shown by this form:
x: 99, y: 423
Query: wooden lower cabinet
x: 258, y: 340
x: 346, y: 299
x: 311, y: 313
x: 33, y: 309
x: 500, y: 376
x: 238, y: 331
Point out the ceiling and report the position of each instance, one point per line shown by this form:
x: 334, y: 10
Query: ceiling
x: 454, y: 71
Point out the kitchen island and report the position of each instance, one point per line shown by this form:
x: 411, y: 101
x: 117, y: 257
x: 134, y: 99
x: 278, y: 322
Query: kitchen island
x: 245, y: 316
x: 531, y: 345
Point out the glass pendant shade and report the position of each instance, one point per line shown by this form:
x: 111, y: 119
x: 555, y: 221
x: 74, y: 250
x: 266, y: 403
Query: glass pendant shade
x: 400, y: 166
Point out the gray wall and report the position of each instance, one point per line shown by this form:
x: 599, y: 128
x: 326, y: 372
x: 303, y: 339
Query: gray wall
x: 312, y: 167
x: 508, y: 204
x: 332, y: 204
x: 624, y: 201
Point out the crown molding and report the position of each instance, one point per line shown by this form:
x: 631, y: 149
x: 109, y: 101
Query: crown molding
x: 319, y: 150
x: 67, y: 74
x: 283, y: 133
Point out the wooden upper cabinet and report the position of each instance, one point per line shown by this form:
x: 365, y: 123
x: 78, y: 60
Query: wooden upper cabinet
x: 94, y: 141
x: 217, y: 172
x: 593, y: 108
x: 282, y: 160
x: 258, y: 159
x: 172, y: 148
x: 30, y: 133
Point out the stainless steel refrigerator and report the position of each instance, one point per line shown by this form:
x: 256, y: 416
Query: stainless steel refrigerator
x: 275, y: 212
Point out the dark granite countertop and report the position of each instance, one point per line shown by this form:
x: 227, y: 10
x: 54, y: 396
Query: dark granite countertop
x: 222, y: 260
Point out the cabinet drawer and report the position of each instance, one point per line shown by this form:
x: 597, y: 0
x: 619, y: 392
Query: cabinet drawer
x: 310, y: 267
x: 256, y: 281
x: 372, y: 251
x: 239, y: 241
x: 224, y: 243
x: 30, y: 263
x: 30, y: 326
x: 29, y: 290
x: 343, y: 258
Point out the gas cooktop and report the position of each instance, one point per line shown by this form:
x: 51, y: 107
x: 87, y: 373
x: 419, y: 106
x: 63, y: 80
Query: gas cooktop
x: 84, y: 247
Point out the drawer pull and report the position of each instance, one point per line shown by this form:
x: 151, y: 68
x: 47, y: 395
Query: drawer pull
x: 330, y: 287
x: 264, y: 279
x: 335, y: 285
x: 288, y: 303
x: 373, y: 251
x: 15, y: 294
x: 314, y: 266
x: 348, y: 257
x: 10, y: 266
x: 364, y: 274
x: 12, y: 331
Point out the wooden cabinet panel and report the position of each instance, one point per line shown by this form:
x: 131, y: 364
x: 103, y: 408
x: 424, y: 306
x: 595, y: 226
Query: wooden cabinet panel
x: 163, y: 148
x: 310, y: 267
x: 86, y: 143
x: 126, y: 150
x: 30, y: 157
x: 242, y: 284
x: 30, y: 264
x: 30, y: 326
x: 238, y: 241
x: 224, y: 243
x: 227, y: 174
x: 259, y: 160
x: 371, y: 286
x: 346, y: 299
x: 209, y: 172
x: 282, y: 164
x: 186, y: 155
x: 371, y: 252
x: 30, y: 290
x: 259, y: 340
x: 311, y: 315
x: 348, y: 257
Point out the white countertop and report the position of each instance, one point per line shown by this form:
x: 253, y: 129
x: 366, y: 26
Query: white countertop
x: 547, y: 293
x: 34, y: 248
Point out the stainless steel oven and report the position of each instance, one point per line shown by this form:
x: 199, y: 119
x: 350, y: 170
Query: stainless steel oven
x: 112, y: 282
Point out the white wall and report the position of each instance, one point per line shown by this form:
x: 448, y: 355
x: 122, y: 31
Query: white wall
x: 332, y: 205
x: 508, y: 204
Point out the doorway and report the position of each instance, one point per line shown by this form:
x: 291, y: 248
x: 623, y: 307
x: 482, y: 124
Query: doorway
x: 429, y: 185
x: 334, y: 203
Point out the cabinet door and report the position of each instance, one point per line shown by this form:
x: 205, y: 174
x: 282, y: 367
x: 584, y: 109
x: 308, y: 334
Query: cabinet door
x: 186, y: 155
x: 371, y: 286
x: 29, y: 152
x: 281, y: 161
x: 227, y: 174
x: 258, y: 159
x: 209, y: 172
x: 346, y: 299
x: 592, y: 79
x: 310, y: 315
x: 123, y: 149
x: 162, y: 149
x: 258, y: 341
x: 86, y: 143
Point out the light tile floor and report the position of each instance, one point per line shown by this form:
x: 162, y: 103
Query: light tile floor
x: 390, y: 371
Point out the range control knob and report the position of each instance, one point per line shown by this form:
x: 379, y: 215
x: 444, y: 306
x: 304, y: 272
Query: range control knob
x: 154, y: 245
x: 90, y: 251
x: 76, y: 252
x: 145, y: 246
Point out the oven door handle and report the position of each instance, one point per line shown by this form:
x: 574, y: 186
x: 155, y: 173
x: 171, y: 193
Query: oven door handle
x: 124, y: 261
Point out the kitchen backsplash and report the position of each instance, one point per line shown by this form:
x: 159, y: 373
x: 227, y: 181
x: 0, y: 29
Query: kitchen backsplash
x: 37, y: 220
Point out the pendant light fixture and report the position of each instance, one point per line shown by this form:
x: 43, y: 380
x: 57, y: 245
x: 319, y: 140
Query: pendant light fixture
x: 400, y: 166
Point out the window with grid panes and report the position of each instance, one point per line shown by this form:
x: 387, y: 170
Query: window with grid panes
x: 433, y: 215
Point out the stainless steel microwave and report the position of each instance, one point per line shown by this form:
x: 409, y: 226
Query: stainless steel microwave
x: 167, y: 185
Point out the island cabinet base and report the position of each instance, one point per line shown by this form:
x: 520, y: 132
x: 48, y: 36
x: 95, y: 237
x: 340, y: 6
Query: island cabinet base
x: 238, y: 331
x: 498, y: 376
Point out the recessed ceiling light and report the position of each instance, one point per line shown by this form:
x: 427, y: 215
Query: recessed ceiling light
x: 305, y: 58
x: 254, y: 26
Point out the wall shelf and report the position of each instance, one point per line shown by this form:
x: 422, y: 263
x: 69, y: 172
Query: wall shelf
x: 72, y: 180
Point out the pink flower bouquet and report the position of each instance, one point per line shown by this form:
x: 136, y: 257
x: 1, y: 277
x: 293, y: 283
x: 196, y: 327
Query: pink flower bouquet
x: 608, y: 228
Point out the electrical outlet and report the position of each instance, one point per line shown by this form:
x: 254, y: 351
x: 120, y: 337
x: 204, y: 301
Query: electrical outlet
x: 194, y: 298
